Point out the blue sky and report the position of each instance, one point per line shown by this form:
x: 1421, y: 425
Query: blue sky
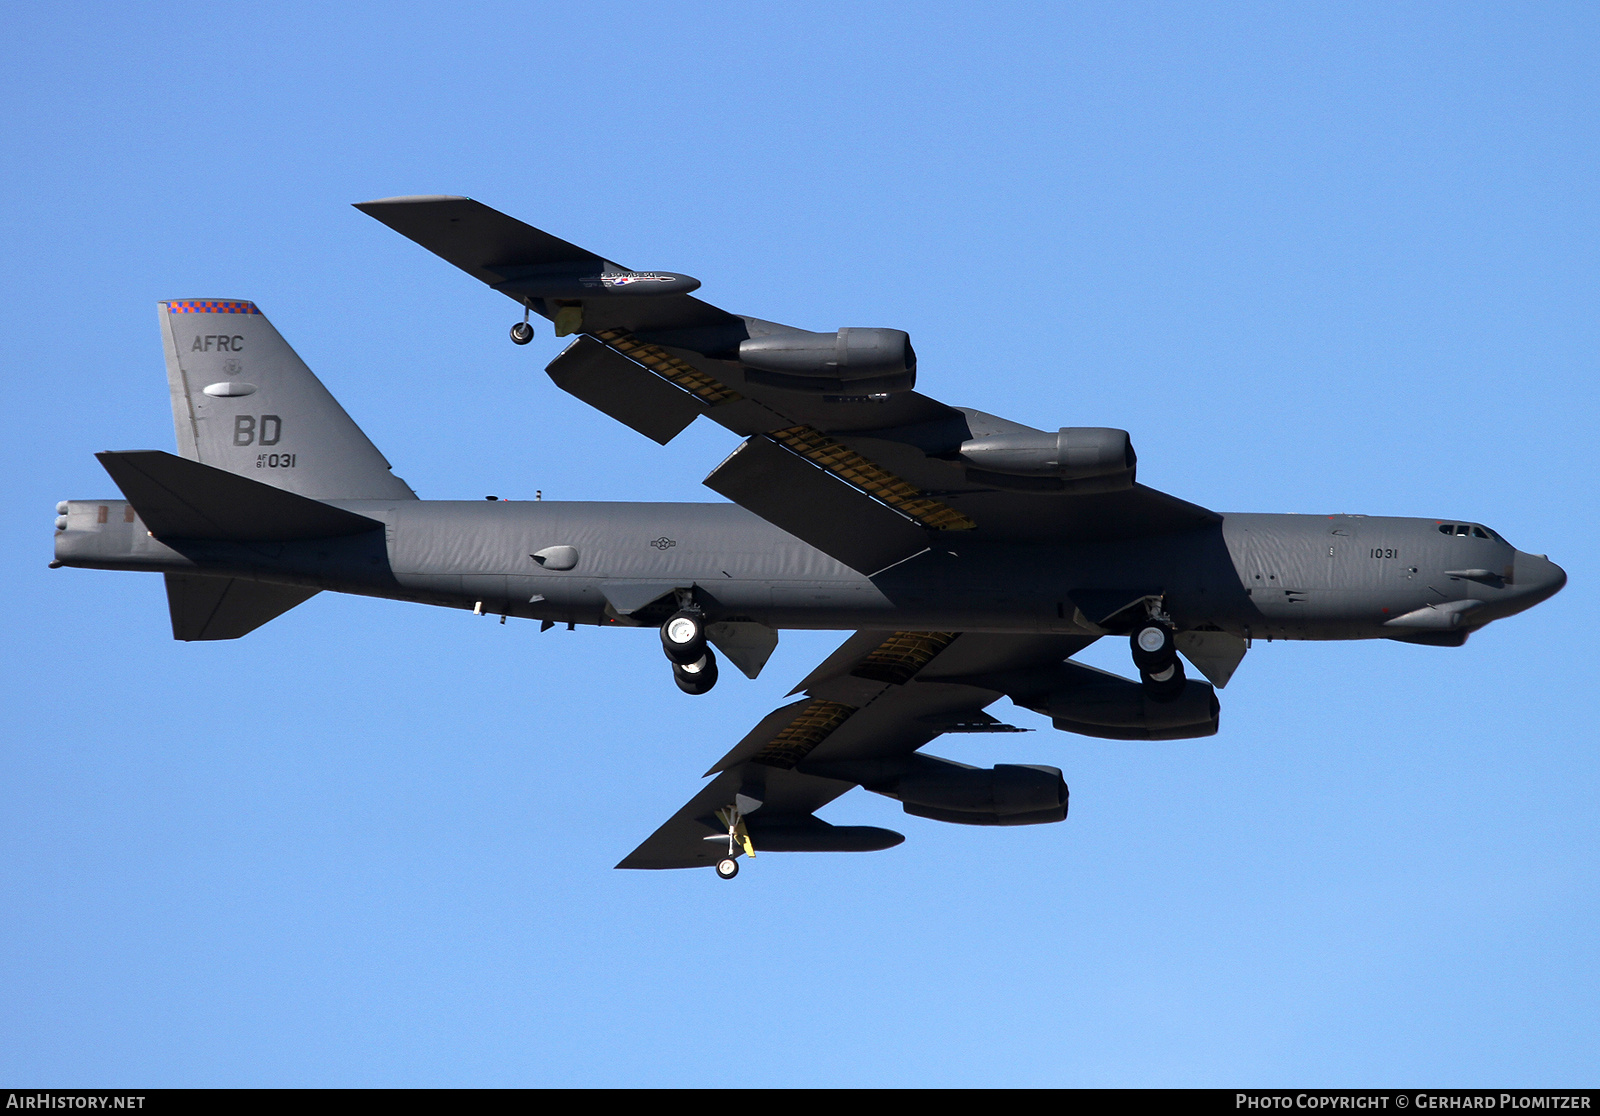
x: 1316, y: 257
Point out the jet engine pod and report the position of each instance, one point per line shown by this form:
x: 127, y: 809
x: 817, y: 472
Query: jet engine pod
x: 1084, y: 458
x: 858, y: 361
x: 1117, y: 709
x: 1007, y: 794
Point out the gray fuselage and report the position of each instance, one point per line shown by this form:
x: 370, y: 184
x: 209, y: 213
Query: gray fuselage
x: 1262, y: 576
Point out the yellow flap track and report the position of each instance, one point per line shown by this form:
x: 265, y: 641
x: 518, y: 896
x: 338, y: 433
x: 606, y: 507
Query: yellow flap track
x: 811, y: 726
x: 848, y: 465
x: 898, y: 658
x: 809, y: 442
x: 669, y: 367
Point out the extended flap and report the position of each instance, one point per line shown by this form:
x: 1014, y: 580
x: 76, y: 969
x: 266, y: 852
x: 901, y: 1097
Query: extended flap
x: 625, y: 390
x: 183, y: 499
x: 816, y: 507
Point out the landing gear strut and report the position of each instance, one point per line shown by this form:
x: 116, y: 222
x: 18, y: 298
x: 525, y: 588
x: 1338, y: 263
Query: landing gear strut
x: 738, y: 837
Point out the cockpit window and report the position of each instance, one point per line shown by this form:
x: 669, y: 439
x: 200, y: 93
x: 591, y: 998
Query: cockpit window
x: 1467, y: 530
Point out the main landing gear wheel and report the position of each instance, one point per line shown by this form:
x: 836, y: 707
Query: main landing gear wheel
x: 1164, y: 685
x: 696, y: 678
x: 1155, y: 653
x: 683, y: 636
x: 727, y: 867
x: 521, y: 333
x: 1154, y: 646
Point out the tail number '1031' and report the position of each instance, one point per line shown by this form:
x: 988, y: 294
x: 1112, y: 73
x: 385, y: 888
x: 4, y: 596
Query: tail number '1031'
x: 1380, y: 552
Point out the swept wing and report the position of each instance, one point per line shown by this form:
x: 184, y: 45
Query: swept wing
x: 868, y: 476
x: 865, y: 713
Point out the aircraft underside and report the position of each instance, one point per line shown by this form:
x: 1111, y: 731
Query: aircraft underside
x: 971, y: 557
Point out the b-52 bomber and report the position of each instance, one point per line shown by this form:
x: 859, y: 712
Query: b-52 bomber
x: 971, y: 556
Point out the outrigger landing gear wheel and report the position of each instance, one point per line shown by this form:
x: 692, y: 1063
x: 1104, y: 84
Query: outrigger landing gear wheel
x: 727, y: 867
x: 521, y: 333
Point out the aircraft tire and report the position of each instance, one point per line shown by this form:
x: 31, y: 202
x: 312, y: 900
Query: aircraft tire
x: 1164, y: 685
x: 697, y: 678
x: 521, y: 333
x: 1154, y: 646
x: 683, y: 637
x: 727, y: 868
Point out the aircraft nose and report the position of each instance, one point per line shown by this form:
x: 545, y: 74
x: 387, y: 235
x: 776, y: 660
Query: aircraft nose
x: 1537, y: 578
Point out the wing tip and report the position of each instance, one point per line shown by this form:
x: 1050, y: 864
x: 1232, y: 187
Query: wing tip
x: 409, y: 199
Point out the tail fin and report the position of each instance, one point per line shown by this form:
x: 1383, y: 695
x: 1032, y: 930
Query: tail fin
x: 242, y: 401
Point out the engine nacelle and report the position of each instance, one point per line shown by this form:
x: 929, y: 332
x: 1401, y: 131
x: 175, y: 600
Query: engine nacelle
x: 858, y: 361
x: 1074, y: 454
x: 1007, y: 794
x: 1117, y: 709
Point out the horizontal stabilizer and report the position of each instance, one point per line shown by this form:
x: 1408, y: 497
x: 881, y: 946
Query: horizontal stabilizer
x: 206, y: 608
x: 182, y: 499
x: 628, y: 392
x: 816, y: 507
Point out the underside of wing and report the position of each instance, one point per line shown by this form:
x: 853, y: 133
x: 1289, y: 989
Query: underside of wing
x: 841, y: 451
x: 868, y: 710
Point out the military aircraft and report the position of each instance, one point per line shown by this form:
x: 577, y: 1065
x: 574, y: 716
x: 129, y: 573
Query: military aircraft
x: 972, y: 556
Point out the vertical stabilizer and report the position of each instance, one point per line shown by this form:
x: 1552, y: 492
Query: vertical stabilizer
x: 244, y: 402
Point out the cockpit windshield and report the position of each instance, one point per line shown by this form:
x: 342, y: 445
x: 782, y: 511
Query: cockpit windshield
x: 1469, y: 530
